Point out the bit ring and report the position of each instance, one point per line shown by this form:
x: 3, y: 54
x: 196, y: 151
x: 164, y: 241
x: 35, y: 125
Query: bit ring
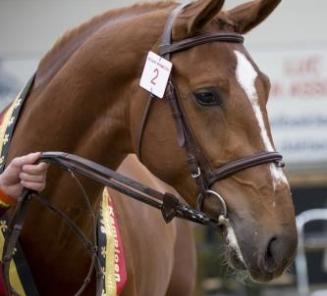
x: 221, y: 200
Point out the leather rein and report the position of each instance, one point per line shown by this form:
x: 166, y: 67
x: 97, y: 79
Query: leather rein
x: 167, y: 203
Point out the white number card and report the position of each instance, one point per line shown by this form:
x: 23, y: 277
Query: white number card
x: 155, y: 74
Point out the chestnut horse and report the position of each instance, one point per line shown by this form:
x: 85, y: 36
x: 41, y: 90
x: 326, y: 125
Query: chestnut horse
x: 86, y: 100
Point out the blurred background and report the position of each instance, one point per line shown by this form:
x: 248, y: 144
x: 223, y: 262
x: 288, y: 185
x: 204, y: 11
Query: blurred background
x: 290, y: 47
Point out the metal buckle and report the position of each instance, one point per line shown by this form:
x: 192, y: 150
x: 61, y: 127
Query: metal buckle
x: 197, y: 174
x: 280, y: 164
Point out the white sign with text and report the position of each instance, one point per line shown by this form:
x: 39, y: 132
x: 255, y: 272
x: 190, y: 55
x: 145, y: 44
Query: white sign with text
x: 155, y: 74
x: 298, y: 102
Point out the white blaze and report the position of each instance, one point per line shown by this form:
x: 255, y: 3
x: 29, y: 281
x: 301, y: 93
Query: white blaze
x: 246, y: 76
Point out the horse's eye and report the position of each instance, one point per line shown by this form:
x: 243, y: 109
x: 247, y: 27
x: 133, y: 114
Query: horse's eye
x: 207, y: 97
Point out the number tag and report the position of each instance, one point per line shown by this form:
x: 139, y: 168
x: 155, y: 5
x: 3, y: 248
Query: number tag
x: 155, y: 74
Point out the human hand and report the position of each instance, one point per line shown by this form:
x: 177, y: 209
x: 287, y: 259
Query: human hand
x: 23, y: 172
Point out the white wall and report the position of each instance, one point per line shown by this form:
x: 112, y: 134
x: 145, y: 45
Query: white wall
x: 30, y: 27
x: 293, y: 23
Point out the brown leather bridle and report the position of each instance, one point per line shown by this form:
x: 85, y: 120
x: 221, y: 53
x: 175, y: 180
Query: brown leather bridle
x: 199, y: 167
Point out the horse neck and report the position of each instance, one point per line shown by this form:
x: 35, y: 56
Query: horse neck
x: 88, y: 99
x: 84, y: 108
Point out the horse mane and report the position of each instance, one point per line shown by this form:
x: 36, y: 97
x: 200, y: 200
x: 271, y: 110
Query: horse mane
x: 80, y: 34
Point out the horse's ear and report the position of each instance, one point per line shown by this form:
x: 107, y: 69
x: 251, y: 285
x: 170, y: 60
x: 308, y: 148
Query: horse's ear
x: 246, y: 16
x: 195, y: 16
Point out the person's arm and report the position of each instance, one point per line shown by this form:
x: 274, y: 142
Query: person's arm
x: 21, y: 172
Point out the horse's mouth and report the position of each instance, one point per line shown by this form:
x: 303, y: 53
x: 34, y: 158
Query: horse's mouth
x: 232, y: 250
x: 237, y: 263
x: 236, y: 260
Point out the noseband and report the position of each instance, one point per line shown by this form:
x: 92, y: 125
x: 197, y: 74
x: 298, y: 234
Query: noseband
x: 199, y: 167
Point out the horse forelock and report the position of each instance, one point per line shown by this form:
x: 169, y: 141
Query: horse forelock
x: 74, y: 38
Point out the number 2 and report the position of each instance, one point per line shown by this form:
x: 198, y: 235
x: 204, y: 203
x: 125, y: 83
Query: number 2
x: 156, y: 74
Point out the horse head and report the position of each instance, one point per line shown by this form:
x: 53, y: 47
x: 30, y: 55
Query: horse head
x: 223, y: 95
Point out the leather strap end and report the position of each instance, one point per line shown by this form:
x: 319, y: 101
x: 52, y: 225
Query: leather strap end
x: 169, y: 207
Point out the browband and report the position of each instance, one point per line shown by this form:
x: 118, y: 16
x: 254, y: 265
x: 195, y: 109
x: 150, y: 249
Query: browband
x: 198, y: 40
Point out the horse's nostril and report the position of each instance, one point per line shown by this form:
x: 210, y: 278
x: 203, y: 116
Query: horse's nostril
x: 270, y: 260
x: 278, y: 253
